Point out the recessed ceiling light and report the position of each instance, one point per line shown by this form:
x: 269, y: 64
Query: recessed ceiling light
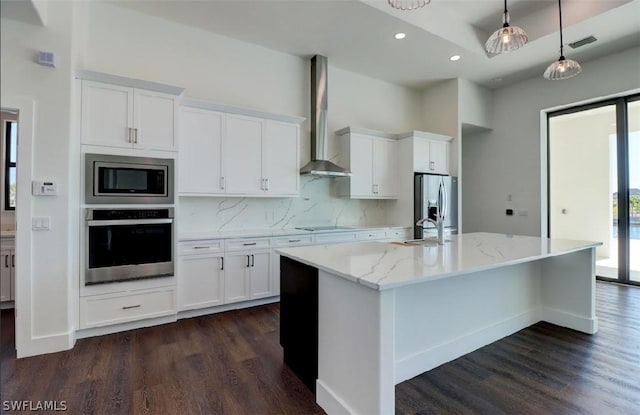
x: 400, y: 35
x: 454, y: 58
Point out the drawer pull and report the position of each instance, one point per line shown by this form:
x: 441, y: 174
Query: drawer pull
x: 249, y: 243
x: 126, y: 307
x: 201, y: 247
x: 294, y: 240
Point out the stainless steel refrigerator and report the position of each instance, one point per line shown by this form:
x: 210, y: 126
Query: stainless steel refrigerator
x: 433, y: 193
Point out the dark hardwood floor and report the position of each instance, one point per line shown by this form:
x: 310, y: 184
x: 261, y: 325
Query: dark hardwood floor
x: 543, y: 369
x: 231, y: 363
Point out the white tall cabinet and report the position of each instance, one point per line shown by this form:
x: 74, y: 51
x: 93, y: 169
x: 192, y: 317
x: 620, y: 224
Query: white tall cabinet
x: 239, y: 154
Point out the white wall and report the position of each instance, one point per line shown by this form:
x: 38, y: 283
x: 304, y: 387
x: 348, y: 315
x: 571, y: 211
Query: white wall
x: 220, y: 69
x: 50, y: 89
x: 579, y: 158
x: 507, y: 160
x: 475, y: 105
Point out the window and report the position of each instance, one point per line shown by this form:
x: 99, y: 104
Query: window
x: 11, y: 143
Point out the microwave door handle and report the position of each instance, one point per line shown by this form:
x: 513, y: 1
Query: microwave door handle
x: 128, y: 222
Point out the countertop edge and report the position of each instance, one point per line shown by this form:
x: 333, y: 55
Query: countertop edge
x: 431, y: 278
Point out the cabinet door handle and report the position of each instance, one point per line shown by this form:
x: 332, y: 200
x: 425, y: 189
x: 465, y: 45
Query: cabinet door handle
x: 432, y: 165
x: 135, y: 136
x: 221, y: 263
x: 253, y: 260
x: 127, y: 307
x: 249, y: 243
x: 201, y: 247
x: 262, y: 185
x: 266, y: 184
x: 294, y: 240
x: 6, y: 261
x: 129, y: 138
x: 222, y: 182
x: 248, y: 259
x: 13, y: 260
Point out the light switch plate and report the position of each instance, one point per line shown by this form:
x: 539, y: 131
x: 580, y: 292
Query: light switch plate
x: 41, y: 223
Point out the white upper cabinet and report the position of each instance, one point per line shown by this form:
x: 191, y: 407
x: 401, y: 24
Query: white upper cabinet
x: 431, y: 155
x: 234, y: 154
x: 372, y: 161
x: 242, y: 152
x: 125, y: 117
x: 385, y: 162
x: 154, y: 120
x: 200, y: 151
x: 281, y: 158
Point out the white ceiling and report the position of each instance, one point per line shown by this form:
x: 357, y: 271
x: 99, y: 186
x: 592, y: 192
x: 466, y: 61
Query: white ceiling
x: 358, y: 35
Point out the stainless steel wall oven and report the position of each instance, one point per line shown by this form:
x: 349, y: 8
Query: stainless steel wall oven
x: 128, y: 244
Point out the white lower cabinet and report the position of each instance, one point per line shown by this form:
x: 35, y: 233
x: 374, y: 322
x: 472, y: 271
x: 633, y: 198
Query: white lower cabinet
x: 247, y: 275
x: 200, y: 281
x: 7, y: 275
x: 104, y: 310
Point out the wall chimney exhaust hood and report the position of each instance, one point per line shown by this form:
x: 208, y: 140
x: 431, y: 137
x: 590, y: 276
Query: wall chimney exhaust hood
x: 319, y: 165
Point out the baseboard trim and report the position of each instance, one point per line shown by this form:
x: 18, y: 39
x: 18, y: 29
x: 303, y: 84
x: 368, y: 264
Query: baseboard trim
x: 46, y: 344
x: 131, y: 325
x: 563, y: 319
x: 329, y: 401
x: 411, y: 366
x: 226, y: 307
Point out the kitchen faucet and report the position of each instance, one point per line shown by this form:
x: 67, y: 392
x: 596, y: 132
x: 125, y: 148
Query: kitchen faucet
x: 440, y: 213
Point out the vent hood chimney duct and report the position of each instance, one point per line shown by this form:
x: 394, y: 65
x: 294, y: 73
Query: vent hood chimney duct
x: 319, y: 165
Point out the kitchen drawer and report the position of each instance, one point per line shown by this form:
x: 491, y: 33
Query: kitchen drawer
x: 201, y: 247
x: 399, y: 234
x: 106, y: 310
x: 328, y: 238
x: 372, y: 234
x: 293, y: 240
x: 243, y: 244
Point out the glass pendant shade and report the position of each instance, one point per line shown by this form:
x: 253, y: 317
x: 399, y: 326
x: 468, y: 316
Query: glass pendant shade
x: 562, y: 69
x: 408, y: 4
x: 506, y: 39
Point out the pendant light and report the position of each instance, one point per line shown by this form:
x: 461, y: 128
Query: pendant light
x: 408, y: 4
x: 507, y: 38
x: 562, y: 68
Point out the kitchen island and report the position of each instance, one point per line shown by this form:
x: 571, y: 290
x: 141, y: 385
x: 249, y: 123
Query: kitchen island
x: 381, y: 313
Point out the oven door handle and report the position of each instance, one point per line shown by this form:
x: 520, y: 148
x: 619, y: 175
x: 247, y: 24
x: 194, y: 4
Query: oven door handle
x: 128, y: 222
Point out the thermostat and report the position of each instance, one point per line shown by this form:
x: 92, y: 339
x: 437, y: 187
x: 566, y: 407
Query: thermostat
x: 44, y: 188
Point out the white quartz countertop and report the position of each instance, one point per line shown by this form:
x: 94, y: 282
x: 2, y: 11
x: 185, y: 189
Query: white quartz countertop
x: 260, y: 233
x: 386, y: 265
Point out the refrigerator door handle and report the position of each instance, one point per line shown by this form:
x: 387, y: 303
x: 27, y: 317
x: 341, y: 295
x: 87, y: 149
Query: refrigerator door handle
x: 442, y: 200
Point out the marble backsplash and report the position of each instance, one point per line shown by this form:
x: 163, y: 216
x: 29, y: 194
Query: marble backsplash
x: 317, y: 205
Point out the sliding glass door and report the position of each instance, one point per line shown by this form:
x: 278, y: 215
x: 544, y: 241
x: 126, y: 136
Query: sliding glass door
x: 633, y: 154
x: 594, y: 182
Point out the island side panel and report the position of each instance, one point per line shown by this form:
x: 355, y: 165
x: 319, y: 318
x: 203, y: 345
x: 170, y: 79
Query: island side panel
x: 299, y: 319
x: 568, y: 291
x: 355, y: 348
x: 441, y: 320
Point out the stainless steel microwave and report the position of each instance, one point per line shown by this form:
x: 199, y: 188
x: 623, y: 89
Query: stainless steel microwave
x: 111, y: 179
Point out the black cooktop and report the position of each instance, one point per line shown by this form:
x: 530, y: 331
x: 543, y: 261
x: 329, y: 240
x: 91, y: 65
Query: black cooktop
x: 323, y: 228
